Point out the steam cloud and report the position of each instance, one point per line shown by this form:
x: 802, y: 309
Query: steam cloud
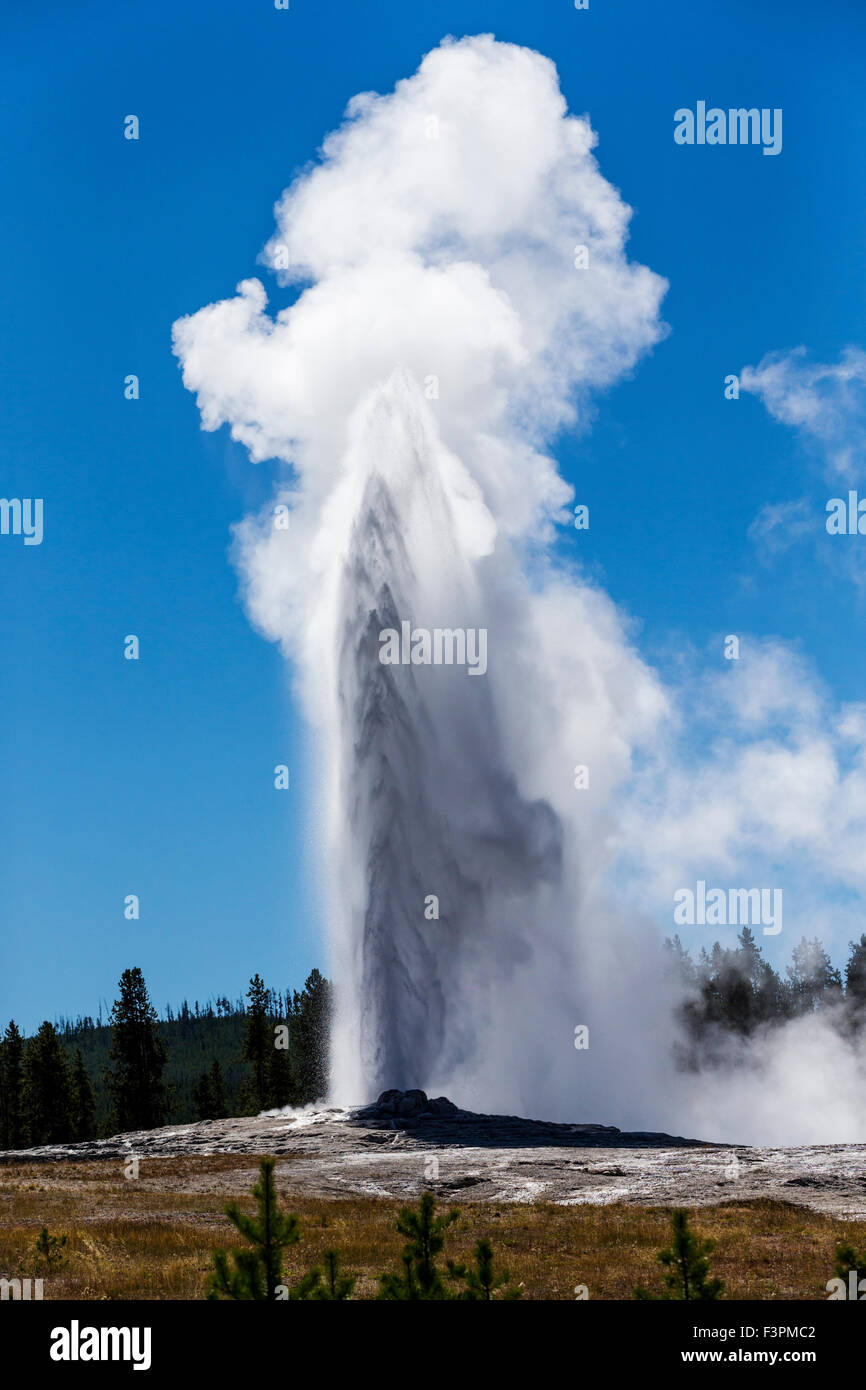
x: 440, y: 339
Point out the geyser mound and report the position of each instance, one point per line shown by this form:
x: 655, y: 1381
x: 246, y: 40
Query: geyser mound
x: 408, y: 1105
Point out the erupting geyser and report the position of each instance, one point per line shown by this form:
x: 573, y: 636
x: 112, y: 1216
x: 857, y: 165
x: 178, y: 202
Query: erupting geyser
x: 463, y: 287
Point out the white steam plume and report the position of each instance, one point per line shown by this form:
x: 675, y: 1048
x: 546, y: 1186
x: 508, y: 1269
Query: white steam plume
x: 440, y: 233
x: 442, y: 336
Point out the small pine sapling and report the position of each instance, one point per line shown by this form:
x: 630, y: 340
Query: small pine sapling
x: 482, y: 1284
x: 257, y: 1273
x: 687, y: 1266
x: 425, y: 1232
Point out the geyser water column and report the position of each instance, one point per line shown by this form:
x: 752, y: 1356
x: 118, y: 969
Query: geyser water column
x: 443, y: 251
x: 426, y: 804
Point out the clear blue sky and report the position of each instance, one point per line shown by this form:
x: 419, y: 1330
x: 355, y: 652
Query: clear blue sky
x: 155, y: 777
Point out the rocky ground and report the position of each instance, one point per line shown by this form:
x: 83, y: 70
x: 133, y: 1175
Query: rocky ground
x: 406, y: 1143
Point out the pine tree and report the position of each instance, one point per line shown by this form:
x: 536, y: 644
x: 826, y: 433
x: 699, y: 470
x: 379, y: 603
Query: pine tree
x: 47, y: 1089
x: 813, y: 980
x: 203, y: 1097
x: 218, y: 1091
x: 257, y: 1273
x: 481, y: 1282
x: 687, y: 1266
x: 281, y: 1089
x: 209, y: 1094
x: 855, y: 976
x: 11, y: 1088
x: 51, y: 1249
x: 421, y: 1279
x: 310, y: 1030
x: 258, y: 1044
x: 336, y: 1287
x: 679, y: 963
x: 847, y: 1258
x: 137, y: 1057
x: 83, y: 1102
x: 765, y: 988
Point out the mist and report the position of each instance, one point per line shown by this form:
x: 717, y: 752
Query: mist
x: 462, y: 293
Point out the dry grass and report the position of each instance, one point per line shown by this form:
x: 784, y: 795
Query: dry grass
x: 152, y: 1237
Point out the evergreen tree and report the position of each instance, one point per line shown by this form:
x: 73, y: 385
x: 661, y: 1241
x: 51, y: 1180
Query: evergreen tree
x: 425, y: 1232
x: 680, y: 963
x: 687, y: 1266
x: 51, y: 1249
x: 847, y: 1258
x: 218, y: 1091
x: 203, y: 1097
x: 209, y: 1094
x: 47, y: 1089
x: 336, y: 1287
x: 765, y: 988
x: 310, y: 1030
x: 482, y: 1283
x: 281, y: 1088
x: 258, y: 1045
x: 770, y: 998
x: 855, y: 976
x: 11, y: 1088
x: 83, y: 1101
x: 257, y: 1273
x: 137, y: 1057
x: 813, y: 980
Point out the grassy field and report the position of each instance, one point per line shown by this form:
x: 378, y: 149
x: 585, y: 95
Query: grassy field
x: 152, y: 1236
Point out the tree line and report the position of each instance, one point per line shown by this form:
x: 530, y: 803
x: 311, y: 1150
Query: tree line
x: 734, y: 990
x: 73, y: 1082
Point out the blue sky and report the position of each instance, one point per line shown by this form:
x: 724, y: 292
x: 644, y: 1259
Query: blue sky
x: 155, y: 777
